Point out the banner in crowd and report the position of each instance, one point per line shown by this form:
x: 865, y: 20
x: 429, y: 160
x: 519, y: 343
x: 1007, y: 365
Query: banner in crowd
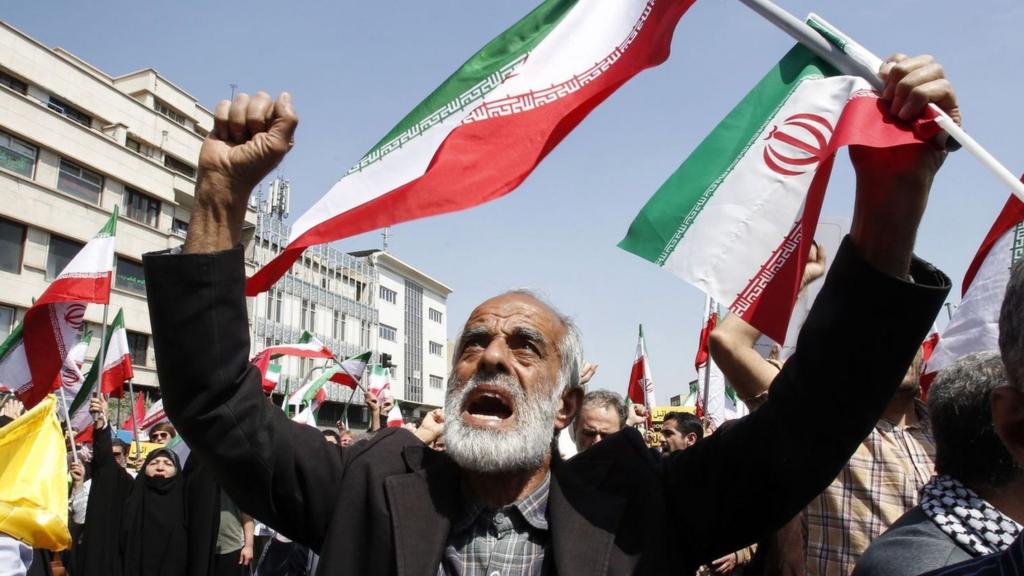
x: 33, y: 479
x: 33, y: 354
x: 737, y: 218
x: 974, y: 326
x: 482, y: 132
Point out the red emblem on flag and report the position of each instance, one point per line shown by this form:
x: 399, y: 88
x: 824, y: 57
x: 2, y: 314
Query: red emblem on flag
x: 74, y: 315
x: 798, y: 144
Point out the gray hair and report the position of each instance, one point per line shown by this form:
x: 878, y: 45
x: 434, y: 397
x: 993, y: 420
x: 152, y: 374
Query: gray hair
x: 1011, y: 327
x: 570, y: 345
x: 966, y: 445
x: 606, y: 399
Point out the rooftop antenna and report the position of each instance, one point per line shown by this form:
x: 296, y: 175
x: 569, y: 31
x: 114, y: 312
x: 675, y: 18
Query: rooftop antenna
x: 385, y: 235
x: 234, y: 86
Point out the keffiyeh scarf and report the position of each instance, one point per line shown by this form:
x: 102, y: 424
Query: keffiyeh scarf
x: 974, y: 524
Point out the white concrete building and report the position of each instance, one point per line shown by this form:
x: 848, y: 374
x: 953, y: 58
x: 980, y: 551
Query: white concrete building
x: 413, y: 309
x: 74, y: 143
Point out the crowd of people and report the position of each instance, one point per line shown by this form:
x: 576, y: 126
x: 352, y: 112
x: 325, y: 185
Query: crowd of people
x: 842, y: 467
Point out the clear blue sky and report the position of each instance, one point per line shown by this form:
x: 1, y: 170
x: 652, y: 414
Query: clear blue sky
x: 355, y: 68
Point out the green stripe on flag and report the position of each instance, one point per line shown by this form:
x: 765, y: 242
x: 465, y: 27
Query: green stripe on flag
x: 110, y: 228
x: 95, y: 370
x: 319, y: 383
x: 666, y: 217
x: 507, y: 48
x: 11, y: 342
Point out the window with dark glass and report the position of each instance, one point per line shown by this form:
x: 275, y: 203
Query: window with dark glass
x: 138, y: 344
x: 388, y: 333
x: 179, y: 227
x: 164, y: 109
x: 17, y: 156
x: 6, y: 322
x: 435, y: 315
x: 436, y: 349
x: 13, y: 83
x: 59, y: 253
x: 130, y: 276
x: 140, y: 207
x: 436, y: 382
x: 12, y: 246
x: 179, y: 166
x: 68, y: 111
x: 388, y: 295
x: 79, y: 182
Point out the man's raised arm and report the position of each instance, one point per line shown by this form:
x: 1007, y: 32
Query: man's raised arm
x: 872, y: 313
x: 275, y: 469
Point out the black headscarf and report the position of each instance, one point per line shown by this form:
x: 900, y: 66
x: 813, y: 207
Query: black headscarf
x: 152, y: 535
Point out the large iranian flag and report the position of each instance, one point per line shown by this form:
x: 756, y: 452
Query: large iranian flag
x: 974, y: 326
x: 32, y: 356
x: 481, y: 133
x: 737, y: 218
x: 117, y: 362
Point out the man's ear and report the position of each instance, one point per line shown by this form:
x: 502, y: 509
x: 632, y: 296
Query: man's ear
x: 1008, y: 419
x: 567, y: 408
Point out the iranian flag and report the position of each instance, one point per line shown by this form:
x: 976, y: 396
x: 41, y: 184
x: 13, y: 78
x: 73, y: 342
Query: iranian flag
x: 379, y: 381
x: 138, y: 413
x: 308, y: 415
x: 738, y: 217
x: 308, y: 346
x: 117, y: 362
x: 306, y: 393
x: 974, y: 326
x: 351, y: 372
x: 72, y: 381
x: 153, y: 416
x: 481, y: 133
x: 641, y: 385
x: 395, y: 416
x: 32, y: 356
x: 721, y: 402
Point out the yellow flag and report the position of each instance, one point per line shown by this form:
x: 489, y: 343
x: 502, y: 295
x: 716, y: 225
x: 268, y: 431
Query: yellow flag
x: 33, y: 479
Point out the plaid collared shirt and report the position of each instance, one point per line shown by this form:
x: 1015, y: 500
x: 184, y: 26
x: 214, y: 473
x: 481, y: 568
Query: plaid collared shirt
x: 878, y: 485
x: 500, y: 542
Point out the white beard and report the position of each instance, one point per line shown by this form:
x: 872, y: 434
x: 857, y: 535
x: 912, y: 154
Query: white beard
x: 488, y: 451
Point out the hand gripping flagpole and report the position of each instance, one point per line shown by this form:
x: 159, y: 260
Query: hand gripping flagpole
x: 135, y: 423
x: 67, y: 425
x: 851, y: 58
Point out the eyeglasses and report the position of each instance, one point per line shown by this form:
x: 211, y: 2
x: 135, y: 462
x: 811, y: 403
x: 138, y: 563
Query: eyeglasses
x: 159, y: 435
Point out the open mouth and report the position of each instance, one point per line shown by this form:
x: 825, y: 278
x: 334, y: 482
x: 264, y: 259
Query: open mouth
x: 488, y: 405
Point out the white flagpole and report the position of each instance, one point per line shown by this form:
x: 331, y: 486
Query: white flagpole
x: 851, y: 58
x: 103, y: 351
x: 67, y: 425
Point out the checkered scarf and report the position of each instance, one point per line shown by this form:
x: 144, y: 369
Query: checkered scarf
x: 974, y: 524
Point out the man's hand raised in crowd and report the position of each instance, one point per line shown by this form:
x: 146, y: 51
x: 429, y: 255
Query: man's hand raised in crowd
x: 98, y: 410
x: 374, y: 404
x: 815, y: 267
x: 77, y: 474
x: 12, y: 408
x: 893, y: 183
x: 432, y: 427
x: 636, y: 414
x: 250, y: 136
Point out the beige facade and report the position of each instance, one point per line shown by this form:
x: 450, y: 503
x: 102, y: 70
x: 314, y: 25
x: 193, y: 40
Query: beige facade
x: 74, y: 143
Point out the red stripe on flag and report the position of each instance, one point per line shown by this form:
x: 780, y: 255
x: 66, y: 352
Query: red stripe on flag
x: 485, y: 160
x: 114, y: 377
x: 1012, y: 213
x: 92, y: 289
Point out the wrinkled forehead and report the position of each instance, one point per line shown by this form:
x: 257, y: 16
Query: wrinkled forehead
x: 510, y: 312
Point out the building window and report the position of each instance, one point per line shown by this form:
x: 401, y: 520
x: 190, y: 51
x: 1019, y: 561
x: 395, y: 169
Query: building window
x: 388, y: 295
x: 308, y: 315
x: 13, y: 83
x: 179, y: 227
x: 140, y: 207
x: 435, y: 315
x: 138, y: 344
x: 388, y: 333
x: 436, y: 382
x: 364, y: 334
x: 6, y: 322
x: 179, y: 166
x: 436, y: 349
x: 70, y: 112
x: 12, y: 245
x: 60, y: 252
x: 130, y: 276
x: 340, y: 320
x: 169, y: 112
x: 274, y: 300
x: 79, y: 182
x: 17, y: 156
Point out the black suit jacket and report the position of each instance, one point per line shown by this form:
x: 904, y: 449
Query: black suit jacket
x: 385, y: 506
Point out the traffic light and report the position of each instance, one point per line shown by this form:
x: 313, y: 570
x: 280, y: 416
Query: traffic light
x: 385, y: 360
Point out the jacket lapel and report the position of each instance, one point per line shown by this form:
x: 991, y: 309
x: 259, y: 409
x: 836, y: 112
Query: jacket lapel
x: 583, y: 521
x: 422, y: 504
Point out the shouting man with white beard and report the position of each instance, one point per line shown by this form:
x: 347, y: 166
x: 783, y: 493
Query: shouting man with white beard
x: 500, y: 501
